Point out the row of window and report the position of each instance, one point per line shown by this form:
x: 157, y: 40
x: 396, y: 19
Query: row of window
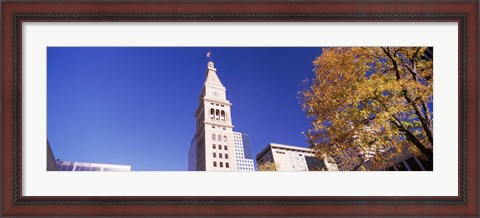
x: 217, y: 104
x: 220, y: 155
x: 219, y: 138
x: 243, y: 160
x: 82, y: 168
x: 218, y: 114
x: 411, y: 164
x: 219, y: 147
x: 220, y: 164
x: 224, y: 128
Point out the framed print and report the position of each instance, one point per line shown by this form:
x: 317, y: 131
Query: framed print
x: 184, y: 106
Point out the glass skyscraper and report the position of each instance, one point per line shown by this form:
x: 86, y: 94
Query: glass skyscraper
x: 247, y: 148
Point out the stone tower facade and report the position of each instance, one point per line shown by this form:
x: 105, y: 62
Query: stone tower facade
x: 212, y: 147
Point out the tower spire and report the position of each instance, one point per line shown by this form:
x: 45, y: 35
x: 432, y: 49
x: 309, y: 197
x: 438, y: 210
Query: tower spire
x: 212, y: 77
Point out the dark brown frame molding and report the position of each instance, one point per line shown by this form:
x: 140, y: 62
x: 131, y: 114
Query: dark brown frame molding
x: 16, y: 12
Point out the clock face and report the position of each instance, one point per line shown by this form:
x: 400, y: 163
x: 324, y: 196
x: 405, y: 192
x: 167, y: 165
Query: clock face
x: 216, y: 94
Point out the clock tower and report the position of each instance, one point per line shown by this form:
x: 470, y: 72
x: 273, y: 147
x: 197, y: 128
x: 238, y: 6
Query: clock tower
x: 212, y: 147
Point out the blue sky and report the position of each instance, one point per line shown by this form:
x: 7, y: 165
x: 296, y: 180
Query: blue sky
x: 135, y: 106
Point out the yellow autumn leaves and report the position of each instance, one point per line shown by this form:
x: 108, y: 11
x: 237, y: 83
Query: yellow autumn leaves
x: 375, y: 101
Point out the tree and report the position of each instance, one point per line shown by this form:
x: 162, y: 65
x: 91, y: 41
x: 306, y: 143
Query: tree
x: 267, y: 166
x: 371, y: 104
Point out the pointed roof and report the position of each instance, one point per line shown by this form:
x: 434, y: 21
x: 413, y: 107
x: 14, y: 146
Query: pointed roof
x: 212, y: 77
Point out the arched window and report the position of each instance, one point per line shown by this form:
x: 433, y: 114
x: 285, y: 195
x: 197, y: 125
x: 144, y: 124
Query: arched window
x: 213, y: 137
x: 217, y: 114
x: 224, y: 138
x: 219, y: 137
x: 222, y: 115
x: 212, y: 112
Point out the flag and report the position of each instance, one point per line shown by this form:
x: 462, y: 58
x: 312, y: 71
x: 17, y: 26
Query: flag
x: 209, y: 54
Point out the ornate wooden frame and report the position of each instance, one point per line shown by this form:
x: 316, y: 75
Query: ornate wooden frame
x: 16, y: 12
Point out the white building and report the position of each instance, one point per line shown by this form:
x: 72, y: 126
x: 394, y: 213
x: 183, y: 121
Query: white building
x: 82, y: 166
x: 241, y: 146
x: 213, y: 147
x: 293, y: 158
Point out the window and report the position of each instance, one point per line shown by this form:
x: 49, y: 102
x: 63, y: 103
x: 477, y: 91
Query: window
x: 225, y: 147
x: 226, y: 165
x: 214, y: 164
x: 413, y: 165
x: 219, y: 137
x: 225, y: 138
x: 224, y: 128
x: 221, y: 164
x: 390, y: 169
x: 401, y: 167
x: 222, y: 115
x: 220, y: 147
x: 219, y: 155
x: 213, y: 146
x: 212, y: 111
x: 226, y: 156
x: 213, y: 136
x: 63, y: 167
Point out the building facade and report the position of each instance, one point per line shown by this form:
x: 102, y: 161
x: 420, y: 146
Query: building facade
x: 293, y: 158
x: 243, y: 152
x: 212, y: 147
x: 411, y: 163
x: 82, y: 166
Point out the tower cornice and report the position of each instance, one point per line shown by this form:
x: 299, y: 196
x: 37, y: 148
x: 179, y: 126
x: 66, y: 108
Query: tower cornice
x: 214, y: 100
x: 218, y: 123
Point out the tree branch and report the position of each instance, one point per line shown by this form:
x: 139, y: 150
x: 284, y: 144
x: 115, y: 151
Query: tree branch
x: 421, y: 117
x: 405, y: 94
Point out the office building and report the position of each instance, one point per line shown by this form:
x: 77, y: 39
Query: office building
x: 247, y: 147
x: 409, y: 163
x: 81, y: 166
x: 293, y: 158
x: 406, y: 161
x: 243, y: 152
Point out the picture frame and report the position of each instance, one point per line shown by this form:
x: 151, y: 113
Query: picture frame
x: 14, y: 13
